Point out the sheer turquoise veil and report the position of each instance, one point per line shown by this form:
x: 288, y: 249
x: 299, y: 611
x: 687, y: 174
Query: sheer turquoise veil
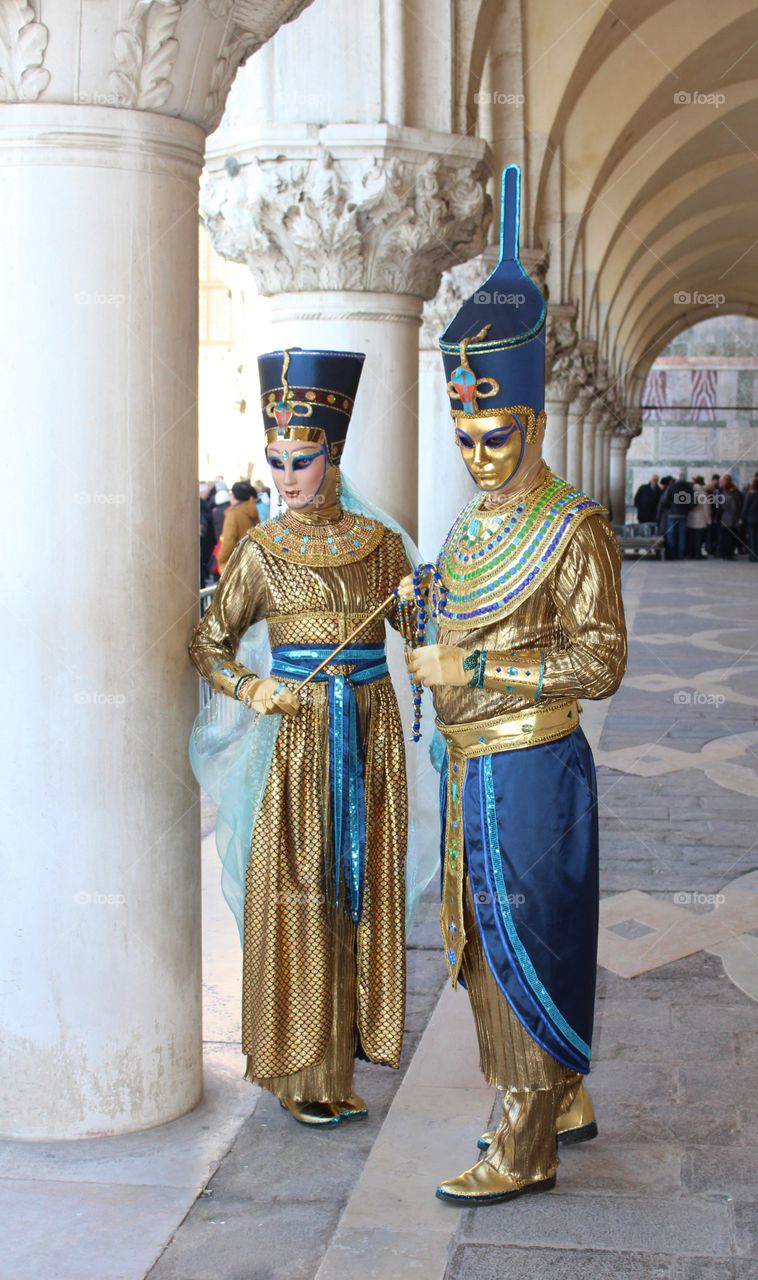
x: 231, y: 749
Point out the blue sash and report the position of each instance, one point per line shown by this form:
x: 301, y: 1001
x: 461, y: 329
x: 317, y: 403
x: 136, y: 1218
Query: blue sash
x: 346, y: 767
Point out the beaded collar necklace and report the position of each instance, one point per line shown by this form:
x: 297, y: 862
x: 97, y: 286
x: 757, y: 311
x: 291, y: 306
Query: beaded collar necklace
x: 493, y: 560
x: 319, y: 543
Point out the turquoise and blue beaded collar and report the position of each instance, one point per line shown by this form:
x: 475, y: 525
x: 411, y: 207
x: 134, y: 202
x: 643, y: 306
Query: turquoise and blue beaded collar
x: 491, y: 562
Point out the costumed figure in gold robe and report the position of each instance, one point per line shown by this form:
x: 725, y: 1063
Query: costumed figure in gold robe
x: 526, y: 597
x: 311, y: 787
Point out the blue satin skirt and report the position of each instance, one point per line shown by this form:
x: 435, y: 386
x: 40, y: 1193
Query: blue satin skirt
x: 531, y: 851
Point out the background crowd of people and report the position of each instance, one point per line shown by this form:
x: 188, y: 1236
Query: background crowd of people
x: 698, y: 520
x: 226, y: 515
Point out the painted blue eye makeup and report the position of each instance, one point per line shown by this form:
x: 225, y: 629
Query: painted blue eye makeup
x: 304, y: 460
x: 465, y: 440
x: 275, y: 463
x: 496, y: 439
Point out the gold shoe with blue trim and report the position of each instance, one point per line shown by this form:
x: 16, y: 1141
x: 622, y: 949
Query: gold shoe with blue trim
x: 484, y: 1185
x: 352, y: 1108
x: 315, y: 1114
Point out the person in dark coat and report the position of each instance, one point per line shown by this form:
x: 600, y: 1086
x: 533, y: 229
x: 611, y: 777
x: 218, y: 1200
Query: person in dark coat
x: 646, y: 501
x: 677, y: 502
x: 750, y: 520
x: 731, y: 510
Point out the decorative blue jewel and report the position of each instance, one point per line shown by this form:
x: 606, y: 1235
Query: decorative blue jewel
x: 451, y: 957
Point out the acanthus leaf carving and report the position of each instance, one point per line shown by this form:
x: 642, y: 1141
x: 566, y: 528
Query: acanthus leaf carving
x: 23, y: 43
x: 145, y: 51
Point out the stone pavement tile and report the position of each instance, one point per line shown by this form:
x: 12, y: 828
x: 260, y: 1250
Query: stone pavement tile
x: 621, y: 1168
x: 716, y: 1083
x: 248, y: 1242
x: 656, y: 1045
x: 382, y: 1253
x: 630, y: 1083
x: 84, y: 1231
x: 426, y: 969
x: 480, y: 1262
x: 746, y: 1230
x: 719, y: 1170
x: 276, y: 1160
x: 679, y: 1125
x: 645, y: 1224
x: 713, y: 1269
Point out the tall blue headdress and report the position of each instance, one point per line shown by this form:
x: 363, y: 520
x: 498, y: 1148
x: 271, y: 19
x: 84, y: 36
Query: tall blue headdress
x: 309, y: 395
x: 493, y: 350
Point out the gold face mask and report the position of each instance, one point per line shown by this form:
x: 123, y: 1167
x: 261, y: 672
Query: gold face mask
x: 492, y: 447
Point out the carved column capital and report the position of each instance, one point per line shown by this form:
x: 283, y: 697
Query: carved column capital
x: 374, y: 208
x: 174, y: 57
x: 456, y: 285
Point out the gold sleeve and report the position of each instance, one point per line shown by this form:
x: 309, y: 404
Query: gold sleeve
x: 238, y: 601
x: 586, y: 587
x: 515, y: 671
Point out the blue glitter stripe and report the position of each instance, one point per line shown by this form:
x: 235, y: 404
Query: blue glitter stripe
x: 530, y: 973
x: 346, y: 768
x: 542, y: 673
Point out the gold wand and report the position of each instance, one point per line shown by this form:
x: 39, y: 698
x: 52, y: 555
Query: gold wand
x: 380, y: 608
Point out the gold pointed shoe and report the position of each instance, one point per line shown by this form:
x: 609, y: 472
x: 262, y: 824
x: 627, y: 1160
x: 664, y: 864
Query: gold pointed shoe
x: 315, y: 1114
x: 352, y: 1108
x: 484, y: 1185
x: 578, y: 1124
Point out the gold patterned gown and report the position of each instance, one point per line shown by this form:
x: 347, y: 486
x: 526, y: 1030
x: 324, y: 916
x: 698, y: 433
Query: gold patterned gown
x: 315, y: 985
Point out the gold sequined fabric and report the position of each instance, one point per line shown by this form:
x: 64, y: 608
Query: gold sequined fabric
x: 331, y: 1078
x: 290, y: 943
x: 537, y: 1088
x: 576, y: 618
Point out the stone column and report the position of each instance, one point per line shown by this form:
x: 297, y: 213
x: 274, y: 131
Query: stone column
x: 577, y: 413
x: 563, y: 376
x: 617, y: 480
x: 588, y: 447
x: 349, y: 228
x: 599, y: 484
x: 101, y: 145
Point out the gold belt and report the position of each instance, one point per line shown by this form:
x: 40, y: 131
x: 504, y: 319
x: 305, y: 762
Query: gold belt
x: 528, y: 728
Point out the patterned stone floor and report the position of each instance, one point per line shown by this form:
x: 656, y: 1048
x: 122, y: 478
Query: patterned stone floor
x: 669, y: 1189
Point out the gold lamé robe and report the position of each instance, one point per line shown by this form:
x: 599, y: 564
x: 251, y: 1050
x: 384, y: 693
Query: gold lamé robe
x: 291, y: 934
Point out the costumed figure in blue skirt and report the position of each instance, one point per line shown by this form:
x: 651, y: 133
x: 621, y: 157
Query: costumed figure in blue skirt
x: 526, y: 597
